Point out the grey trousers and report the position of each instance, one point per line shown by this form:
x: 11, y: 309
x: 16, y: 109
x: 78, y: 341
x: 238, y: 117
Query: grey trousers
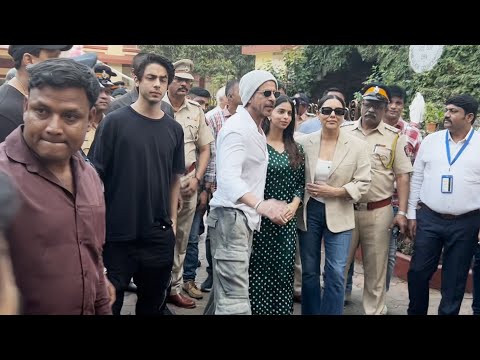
x: 231, y: 244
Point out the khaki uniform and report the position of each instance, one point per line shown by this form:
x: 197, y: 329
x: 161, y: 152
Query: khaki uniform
x: 89, y: 137
x: 388, y: 158
x: 197, y: 134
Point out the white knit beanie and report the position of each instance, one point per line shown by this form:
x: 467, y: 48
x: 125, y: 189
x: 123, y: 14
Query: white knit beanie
x: 251, y: 81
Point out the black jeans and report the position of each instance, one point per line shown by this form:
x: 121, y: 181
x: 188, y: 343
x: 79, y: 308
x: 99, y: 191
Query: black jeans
x: 458, y: 238
x: 149, y: 262
x: 476, y: 282
x: 208, y: 250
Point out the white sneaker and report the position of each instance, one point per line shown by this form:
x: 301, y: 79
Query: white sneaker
x: 384, y: 310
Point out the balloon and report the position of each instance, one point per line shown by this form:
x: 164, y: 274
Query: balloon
x: 417, y: 109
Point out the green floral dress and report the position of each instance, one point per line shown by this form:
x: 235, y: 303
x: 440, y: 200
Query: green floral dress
x: 272, y: 262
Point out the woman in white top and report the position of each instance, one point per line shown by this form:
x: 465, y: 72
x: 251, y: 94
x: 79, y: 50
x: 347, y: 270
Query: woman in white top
x: 337, y: 174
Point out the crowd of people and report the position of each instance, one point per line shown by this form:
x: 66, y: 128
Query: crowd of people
x: 104, y: 189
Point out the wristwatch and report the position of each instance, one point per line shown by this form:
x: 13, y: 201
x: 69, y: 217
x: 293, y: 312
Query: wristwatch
x: 403, y: 213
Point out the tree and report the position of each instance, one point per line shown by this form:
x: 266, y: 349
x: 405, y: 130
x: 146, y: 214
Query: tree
x: 220, y: 63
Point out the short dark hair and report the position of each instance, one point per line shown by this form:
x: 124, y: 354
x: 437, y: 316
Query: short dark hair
x: 145, y: 59
x: 467, y: 102
x: 64, y: 73
x: 137, y: 59
x: 397, y: 91
x: 18, y: 57
x: 198, y: 91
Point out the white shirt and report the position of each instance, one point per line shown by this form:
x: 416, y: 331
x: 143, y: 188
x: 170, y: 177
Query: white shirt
x: 242, y: 160
x: 321, y: 174
x: 432, y: 163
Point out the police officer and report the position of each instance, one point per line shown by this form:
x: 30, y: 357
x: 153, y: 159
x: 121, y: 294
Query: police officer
x: 197, y: 138
x: 374, y: 219
x: 104, y: 72
x: 101, y: 105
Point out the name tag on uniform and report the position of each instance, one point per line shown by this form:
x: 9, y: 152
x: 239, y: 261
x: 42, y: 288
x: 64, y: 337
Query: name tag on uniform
x: 447, y: 184
x: 381, y: 150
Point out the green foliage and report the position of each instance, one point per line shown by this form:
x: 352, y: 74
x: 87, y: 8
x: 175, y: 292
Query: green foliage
x: 290, y: 74
x: 434, y: 112
x: 405, y: 245
x: 218, y: 62
x: 458, y: 70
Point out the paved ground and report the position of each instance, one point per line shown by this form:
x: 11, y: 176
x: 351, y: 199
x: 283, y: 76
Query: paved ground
x: 397, y: 297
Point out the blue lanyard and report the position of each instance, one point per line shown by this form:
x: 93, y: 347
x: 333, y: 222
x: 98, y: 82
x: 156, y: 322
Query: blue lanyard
x: 447, y: 144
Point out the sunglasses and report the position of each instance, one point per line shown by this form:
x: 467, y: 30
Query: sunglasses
x: 328, y: 111
x: 268, y: 93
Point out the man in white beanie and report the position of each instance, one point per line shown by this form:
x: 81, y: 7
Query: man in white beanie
x: 237, y: 204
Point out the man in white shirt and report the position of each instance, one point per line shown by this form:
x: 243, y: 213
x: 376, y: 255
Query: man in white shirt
x: 237, y: 204
x: 443, y: 208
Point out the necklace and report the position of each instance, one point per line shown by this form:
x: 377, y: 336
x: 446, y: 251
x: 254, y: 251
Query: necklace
x: 22, y: 89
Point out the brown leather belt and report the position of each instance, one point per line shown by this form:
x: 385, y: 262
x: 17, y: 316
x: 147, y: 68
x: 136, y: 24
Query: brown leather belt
x: 449, y: 216
x: 372, y: 205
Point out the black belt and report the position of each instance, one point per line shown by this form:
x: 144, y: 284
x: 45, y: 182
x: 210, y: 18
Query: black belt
x: 449, y: 216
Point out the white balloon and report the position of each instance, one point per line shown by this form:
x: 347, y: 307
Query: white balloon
x: 417, y: 109
x: 424, y: 57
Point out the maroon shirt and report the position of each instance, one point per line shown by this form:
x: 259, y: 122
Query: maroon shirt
x: 56, y: 239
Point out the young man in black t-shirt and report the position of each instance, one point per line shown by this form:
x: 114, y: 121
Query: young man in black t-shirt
x: 139, y: 154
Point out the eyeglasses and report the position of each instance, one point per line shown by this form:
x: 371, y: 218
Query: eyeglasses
x: 268, y: 93
x: 328, y: 111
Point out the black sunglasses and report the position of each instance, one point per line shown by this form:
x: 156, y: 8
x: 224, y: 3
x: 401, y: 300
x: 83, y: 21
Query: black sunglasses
x: 268, y: 93
x: 328, y: 111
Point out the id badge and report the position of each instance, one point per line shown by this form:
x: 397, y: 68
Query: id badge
x: 447, y: 184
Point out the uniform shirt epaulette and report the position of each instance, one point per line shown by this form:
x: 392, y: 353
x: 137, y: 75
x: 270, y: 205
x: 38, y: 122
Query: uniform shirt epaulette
x: 194, y: 103
x: 348, y: 123
x: 392, y: 128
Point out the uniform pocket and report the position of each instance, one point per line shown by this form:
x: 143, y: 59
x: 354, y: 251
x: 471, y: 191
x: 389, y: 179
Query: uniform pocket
x: 381, y: 161
x: 191, y: 130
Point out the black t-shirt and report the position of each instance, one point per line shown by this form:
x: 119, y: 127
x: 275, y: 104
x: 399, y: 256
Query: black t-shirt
x: 136, y: 157
x: 11, y: 110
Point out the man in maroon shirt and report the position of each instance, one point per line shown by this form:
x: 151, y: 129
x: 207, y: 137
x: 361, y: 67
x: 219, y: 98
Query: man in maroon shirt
x: 57, y: 236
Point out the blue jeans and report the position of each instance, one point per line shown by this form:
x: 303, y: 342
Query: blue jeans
x: 208, y: 253
x: 476, y: 282
x: 336, y: 252
x: 349, y: 285
x: 191, y: 256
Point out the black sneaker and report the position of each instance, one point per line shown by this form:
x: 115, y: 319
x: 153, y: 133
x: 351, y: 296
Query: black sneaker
x: 207, y: 284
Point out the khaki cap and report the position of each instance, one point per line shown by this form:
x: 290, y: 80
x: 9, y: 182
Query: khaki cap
x: 184, y: 69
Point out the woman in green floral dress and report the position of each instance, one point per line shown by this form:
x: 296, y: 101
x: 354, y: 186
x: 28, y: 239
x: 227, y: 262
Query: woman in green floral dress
x: 273, y: 251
